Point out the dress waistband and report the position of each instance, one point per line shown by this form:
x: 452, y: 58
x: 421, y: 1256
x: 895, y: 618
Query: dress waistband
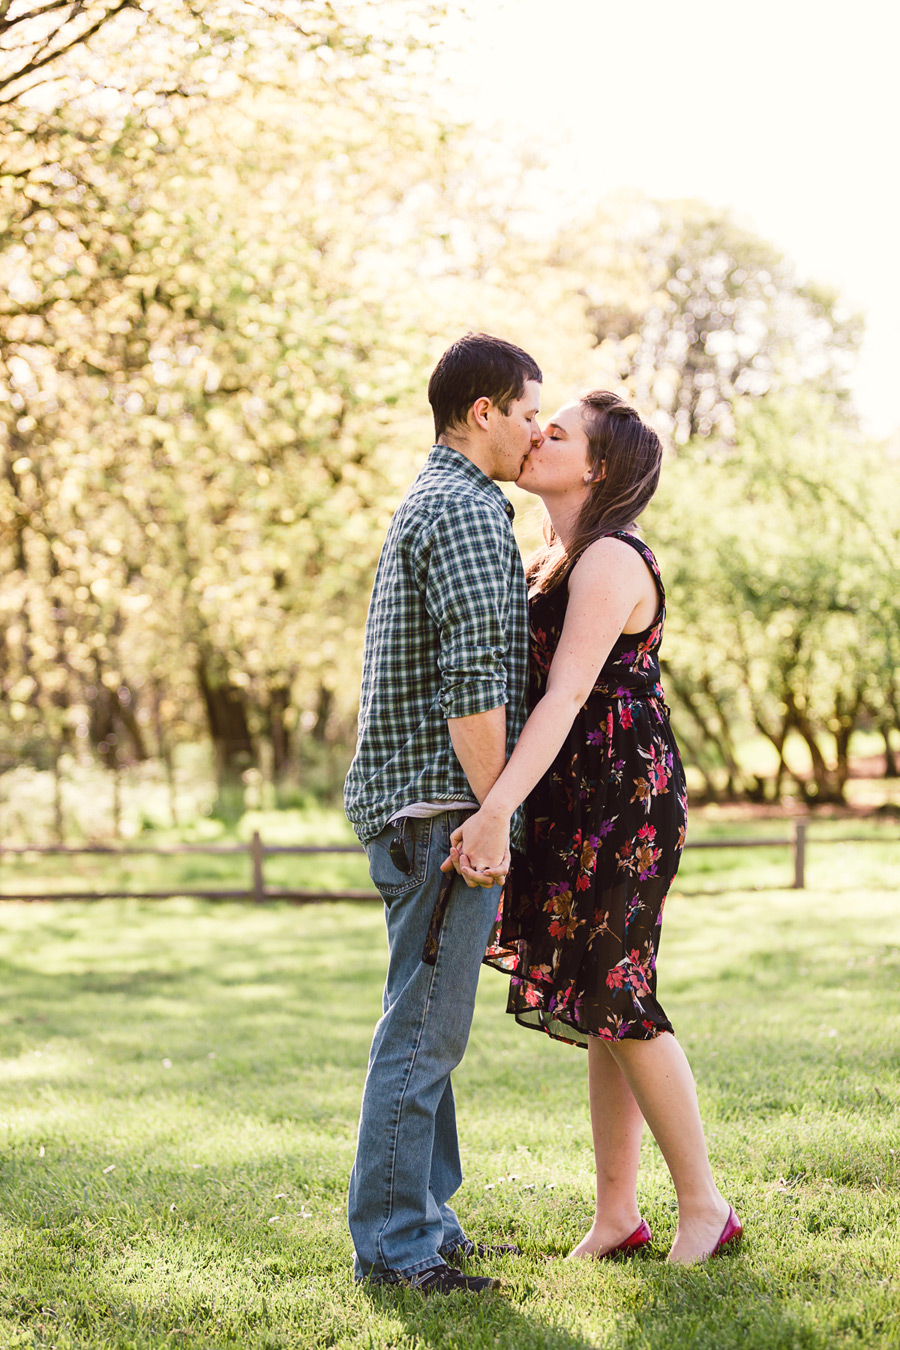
x: 655, y: 692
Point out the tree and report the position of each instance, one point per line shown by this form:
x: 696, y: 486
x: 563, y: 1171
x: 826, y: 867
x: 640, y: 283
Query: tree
x: 196, y: 365
x: 693, y: 312
x: 782, y: 587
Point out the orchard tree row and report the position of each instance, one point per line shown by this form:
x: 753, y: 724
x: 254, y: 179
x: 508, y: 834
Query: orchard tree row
x: 233, y: 240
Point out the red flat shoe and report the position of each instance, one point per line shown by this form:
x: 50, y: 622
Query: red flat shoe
x: 730, y: 1233
x: 641, y: 1237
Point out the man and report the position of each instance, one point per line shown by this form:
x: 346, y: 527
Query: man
x: 443, y: 701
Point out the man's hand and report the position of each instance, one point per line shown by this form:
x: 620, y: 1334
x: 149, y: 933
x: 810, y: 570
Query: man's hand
x: 479, y: 849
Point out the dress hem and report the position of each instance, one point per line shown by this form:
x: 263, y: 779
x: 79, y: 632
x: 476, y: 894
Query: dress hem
x: 536, y: 1019
x: 539, y: 1019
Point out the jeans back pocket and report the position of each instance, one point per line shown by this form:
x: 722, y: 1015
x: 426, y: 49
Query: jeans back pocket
x: 383, y: 869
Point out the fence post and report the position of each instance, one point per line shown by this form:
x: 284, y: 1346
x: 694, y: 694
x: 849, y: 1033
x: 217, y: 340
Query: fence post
x: 799, y: 855
x: 256, y: 857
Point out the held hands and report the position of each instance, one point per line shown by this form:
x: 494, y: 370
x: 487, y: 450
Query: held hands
x: 474, y: 847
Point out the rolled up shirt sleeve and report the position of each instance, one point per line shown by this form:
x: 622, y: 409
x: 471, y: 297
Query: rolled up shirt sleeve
x: 466, y: 593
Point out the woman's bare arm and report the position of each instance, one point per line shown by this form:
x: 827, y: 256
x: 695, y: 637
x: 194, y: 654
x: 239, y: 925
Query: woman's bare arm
x: 606, y: 586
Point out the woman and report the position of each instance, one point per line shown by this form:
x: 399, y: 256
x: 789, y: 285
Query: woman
x: 580, y: 920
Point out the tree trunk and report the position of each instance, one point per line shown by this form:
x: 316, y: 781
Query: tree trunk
x: 724, y: 740
x: 709, y: 733
x: 847, y: 717
x: 229, y: 729
x: 889, y: 723
x: 113, y: 719
x: 778, y: 739
x: 324, y: 706
x: 59, y: 827
x: 782, y: 769
x: 117, y: 794
x: 710, y: 793
x: 279, y: 732
x: 828, y: 788
x: 164, y: 751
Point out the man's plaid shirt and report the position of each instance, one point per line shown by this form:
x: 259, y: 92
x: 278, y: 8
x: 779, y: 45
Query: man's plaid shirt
x: 446, y: 636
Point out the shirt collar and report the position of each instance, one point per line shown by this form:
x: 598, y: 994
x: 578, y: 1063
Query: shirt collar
x: 445, y: 458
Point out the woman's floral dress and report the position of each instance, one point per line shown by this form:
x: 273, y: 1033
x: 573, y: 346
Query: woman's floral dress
x: 580, y: 918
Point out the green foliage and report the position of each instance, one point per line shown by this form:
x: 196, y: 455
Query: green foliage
x: 174, y: 1160
x: 693, y: 312
x: 233, y: 239
x: 780, y: 555
x: 203, y: 372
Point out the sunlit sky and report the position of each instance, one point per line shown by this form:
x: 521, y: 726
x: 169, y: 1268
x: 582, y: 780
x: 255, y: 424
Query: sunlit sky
x: 787, y: 113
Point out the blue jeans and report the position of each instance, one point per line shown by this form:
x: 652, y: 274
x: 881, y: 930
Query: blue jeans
x: 407, y: 1156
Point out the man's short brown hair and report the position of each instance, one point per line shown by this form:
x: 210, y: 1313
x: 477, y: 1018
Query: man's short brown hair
x: 477, y: 366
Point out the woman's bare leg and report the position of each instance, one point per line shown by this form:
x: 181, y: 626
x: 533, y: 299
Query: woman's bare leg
x: 616, y: 1125
x: 660, y: 1078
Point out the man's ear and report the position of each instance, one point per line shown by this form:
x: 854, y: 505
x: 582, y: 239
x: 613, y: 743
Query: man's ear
x: 479, y: 412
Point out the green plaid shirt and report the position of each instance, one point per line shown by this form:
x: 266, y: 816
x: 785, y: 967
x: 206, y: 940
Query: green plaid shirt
x: 446, y: 636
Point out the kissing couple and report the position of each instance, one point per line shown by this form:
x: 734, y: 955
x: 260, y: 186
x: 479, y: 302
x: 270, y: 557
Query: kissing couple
x: 522, y: 802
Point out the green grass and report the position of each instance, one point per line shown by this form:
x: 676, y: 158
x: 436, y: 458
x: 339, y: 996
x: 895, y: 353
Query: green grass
x: 181, y: 1085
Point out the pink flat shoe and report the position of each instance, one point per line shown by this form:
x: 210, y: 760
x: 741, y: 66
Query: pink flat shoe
x: 641, y: 1237
x: 730, y: 1233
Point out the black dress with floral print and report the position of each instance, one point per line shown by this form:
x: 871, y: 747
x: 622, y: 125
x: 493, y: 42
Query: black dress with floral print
x: 580, y: 918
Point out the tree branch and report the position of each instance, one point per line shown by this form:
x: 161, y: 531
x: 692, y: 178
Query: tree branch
x: 81, y: 38
x: 6, y: 24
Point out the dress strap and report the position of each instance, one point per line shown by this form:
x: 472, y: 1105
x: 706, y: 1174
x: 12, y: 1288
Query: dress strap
x: 646, y: 553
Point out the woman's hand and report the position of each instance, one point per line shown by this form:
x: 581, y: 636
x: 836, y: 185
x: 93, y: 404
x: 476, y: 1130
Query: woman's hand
x: 479, y: 849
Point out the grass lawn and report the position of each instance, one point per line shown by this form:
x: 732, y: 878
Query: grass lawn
x: 180, y: 1088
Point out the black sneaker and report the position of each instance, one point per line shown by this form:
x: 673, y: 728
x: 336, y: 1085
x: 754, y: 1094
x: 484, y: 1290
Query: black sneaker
x: 446, y: 1280
x: 467, y: 1250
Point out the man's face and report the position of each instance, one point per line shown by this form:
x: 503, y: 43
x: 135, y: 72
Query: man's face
x: 515, y: 433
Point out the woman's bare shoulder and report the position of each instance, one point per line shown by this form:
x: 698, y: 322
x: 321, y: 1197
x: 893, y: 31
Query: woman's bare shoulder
x: 606, y: 555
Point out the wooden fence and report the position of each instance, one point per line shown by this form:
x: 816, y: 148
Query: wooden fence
x: 257, y: 852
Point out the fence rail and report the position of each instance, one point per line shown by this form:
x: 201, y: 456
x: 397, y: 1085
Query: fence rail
x: 256, y: 852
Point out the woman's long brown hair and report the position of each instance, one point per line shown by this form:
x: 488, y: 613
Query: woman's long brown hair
x: 625, y: 458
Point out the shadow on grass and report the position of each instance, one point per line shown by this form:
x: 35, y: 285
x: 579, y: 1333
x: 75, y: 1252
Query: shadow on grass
x: 135, y: 1269
x: 452, y: 1321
